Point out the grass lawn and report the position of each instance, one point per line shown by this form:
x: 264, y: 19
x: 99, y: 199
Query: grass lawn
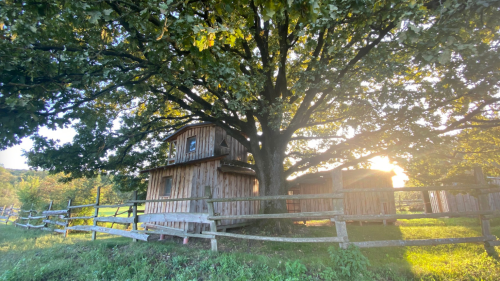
x: 33, y: 255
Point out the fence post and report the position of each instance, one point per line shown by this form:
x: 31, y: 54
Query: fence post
x: 213, y: 225
x: 3, y: 210
x: 484, y: 205
x: 134, y: 210
x: 116, y: 213
x: 129, y: 212
x: 47, y: 217
x: 29, y: 217
x: 427, y: 202
x: 338, y: 205
x: 10, y: 214
x: 96, y: 211
x: 18, y: 215
x: 67, y: 221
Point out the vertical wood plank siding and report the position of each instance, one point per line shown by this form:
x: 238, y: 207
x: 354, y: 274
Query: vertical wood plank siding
x: 445, y: 201
x: 462, y: 202
x: 357, y: 203
x: 235, y: 149
x: 189, y: 181
x: 204, y: 137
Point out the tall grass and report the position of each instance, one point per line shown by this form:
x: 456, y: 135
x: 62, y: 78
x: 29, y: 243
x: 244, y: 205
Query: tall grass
x: 33, y: 255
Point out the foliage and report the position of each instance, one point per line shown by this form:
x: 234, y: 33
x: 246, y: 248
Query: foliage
x: 360, y: 78
x: 454, y: 160
x: 349, y: 263
x: 39, y: 188
x: 7, y: 193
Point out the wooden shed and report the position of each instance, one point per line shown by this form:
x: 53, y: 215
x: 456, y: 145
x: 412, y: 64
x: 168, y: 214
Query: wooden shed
x: 446, y: 201
x: 196, y: 159
x: 356, y: 203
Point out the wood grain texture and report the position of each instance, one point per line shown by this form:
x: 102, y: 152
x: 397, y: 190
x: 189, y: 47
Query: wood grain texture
x: 55, y: 212
x: 277, y: 239
x: 326, y: 214
x: 189, y: 182
x: 63, y: 224
x: 422, y: 242
x: 113, y: 231
x: 175, y: 217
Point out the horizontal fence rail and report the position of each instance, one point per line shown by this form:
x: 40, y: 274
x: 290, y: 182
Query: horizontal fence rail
x: 278, y: 239
x: 327, y: 214
x: 279, y: 197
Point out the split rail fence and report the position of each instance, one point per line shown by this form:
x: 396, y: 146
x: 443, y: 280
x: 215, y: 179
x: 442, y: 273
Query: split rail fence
x: 59, y: 219
x: 6, y: 213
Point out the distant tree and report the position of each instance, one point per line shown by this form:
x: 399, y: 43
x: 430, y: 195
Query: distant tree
x: 360, y: 78
x: 455, y: 159
x: 29, y: 193
x: 7, y: 192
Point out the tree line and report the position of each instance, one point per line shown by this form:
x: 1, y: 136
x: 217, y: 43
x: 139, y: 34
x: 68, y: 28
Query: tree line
x: 27, y: 187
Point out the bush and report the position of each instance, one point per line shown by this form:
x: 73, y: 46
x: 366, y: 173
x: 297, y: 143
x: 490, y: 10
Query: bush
x: 349, y: 263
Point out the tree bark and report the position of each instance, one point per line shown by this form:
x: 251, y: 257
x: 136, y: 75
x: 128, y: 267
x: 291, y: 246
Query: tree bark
x: 270, y: 173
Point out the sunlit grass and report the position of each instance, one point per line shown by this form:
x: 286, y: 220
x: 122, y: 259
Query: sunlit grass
x: 34, y: 255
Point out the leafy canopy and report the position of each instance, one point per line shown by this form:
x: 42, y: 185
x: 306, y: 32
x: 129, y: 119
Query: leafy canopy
x: 360, y: 78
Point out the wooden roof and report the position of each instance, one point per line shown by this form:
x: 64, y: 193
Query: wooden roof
x: 206, y: 159
x: 236, y: 170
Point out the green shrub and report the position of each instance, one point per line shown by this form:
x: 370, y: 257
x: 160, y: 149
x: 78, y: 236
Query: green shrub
x: 349, y: 263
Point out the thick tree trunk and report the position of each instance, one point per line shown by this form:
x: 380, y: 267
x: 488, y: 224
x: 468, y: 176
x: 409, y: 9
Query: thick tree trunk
x: 269, y: 169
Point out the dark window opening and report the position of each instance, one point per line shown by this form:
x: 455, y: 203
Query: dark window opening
x: 167, y: 186
x: 172, y: 152
x: 191, y: 144
x: 224, y: 143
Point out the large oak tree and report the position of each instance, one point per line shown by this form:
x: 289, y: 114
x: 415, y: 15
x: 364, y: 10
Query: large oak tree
x: 302, y: 84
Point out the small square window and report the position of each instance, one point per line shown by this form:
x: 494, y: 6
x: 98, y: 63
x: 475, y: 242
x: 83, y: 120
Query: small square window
x: 191, y: 144
x: 167, y: 187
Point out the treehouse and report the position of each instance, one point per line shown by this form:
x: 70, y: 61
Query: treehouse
x: 196, y: 159
x: 199, y: 156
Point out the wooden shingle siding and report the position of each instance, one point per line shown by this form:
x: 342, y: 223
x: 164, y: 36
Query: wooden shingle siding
x: 190, y: 181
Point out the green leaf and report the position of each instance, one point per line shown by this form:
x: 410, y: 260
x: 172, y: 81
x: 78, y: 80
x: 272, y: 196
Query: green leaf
x: 94, y: 16
x: 107, y: 12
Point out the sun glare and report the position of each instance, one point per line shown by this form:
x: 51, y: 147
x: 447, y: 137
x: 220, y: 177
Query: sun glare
x: 382, y: 163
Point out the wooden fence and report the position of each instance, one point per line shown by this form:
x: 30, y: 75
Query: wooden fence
x: 61, y: 218
x: 6, y: 213
x: 339, y: 218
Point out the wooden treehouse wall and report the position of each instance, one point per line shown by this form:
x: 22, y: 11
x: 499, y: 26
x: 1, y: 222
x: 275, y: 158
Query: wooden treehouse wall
x: 190, y: 181
x: 208, y: 143
x: 205, y: 136
x: 235, y: 149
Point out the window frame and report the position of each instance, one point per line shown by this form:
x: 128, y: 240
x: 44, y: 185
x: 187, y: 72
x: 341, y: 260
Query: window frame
x: 188, y: 142
x: 164, y: 186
